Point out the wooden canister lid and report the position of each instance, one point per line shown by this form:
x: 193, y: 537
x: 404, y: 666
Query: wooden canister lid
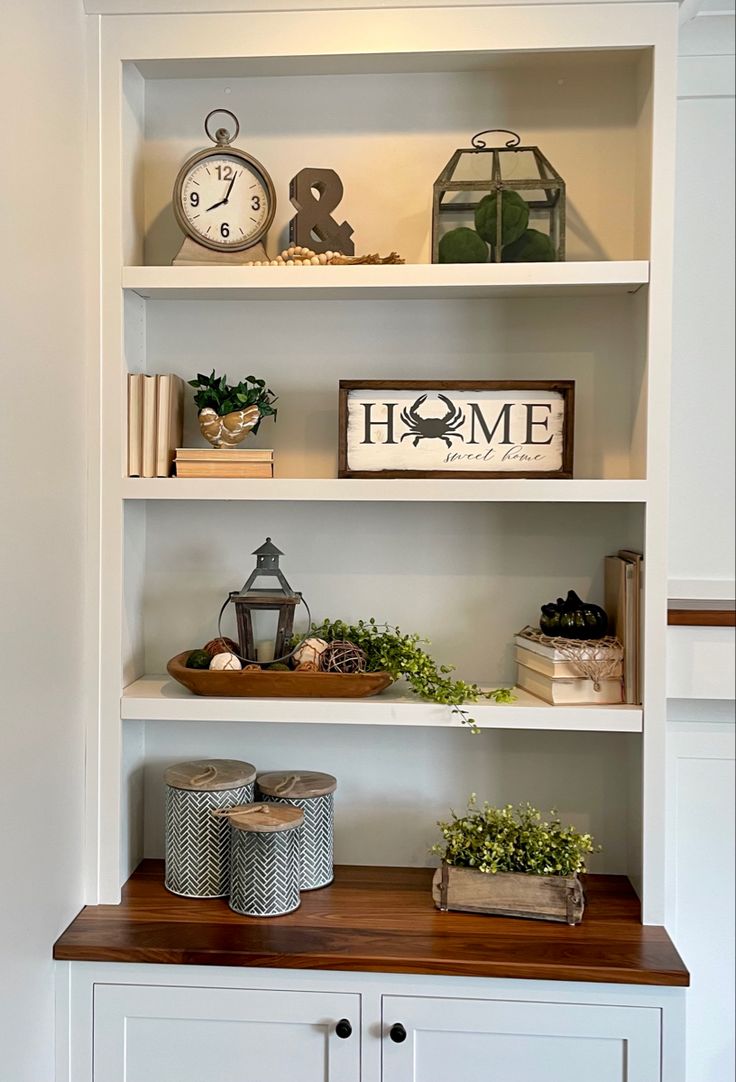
x: 299, y: 784
x: 265, y: 818
x: 210, y: 775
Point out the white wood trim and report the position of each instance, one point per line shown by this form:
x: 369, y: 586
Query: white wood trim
x: 703, y: 589
x: 176, y: 7
x: 706, y: 77
x: 349, y: 490
x: 158, y: 698
x: 407, y: 282
x: 659, y: 351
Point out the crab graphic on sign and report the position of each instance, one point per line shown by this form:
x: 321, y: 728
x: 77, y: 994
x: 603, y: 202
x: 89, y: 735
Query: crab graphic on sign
x: 432, y: 428
x: 457, y: 428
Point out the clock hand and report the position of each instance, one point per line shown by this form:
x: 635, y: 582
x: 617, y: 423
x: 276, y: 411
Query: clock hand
x: 223, y: 202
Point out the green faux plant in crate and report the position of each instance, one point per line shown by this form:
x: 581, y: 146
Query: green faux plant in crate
x: 512, y: 839
x: 389, y: 650
x: 510, y: 862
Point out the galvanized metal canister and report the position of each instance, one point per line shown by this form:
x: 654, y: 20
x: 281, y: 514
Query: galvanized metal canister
x: 264, y: 867
x: 312, y: 793
x: 198, y: 843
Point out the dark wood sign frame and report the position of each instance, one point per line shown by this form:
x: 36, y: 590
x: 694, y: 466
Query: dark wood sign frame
x: 566, y: 388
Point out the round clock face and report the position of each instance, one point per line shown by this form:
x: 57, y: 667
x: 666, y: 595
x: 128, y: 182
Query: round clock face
x: 225, y: 201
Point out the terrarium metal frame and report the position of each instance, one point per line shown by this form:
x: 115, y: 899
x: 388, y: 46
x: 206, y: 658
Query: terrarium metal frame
x: 549, y: 179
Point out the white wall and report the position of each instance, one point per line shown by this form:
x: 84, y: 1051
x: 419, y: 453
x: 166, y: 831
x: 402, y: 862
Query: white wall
x: 41, y: 528
x: 700, y: 738
x: 702, y: 456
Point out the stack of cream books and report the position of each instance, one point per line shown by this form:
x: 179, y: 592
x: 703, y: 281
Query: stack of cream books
x: 545, y: 671
x: 223, y: 462
x: 155, y: 411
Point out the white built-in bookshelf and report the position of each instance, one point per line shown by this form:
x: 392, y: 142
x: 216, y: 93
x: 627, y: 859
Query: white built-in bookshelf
x: 385, y: 97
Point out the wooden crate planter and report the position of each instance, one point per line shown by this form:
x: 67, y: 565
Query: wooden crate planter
x: 538, y: 897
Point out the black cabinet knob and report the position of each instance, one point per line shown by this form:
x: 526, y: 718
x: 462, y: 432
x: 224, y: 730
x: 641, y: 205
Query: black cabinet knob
x: 343, y: 1029
x: 397, y: 1033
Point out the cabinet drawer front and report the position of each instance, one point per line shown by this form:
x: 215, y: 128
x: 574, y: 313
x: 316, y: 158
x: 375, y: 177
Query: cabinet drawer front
x: 519, y: 1042
x: 161, y: 1034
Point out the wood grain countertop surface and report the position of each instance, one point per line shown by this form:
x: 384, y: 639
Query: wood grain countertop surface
x: 379, y: 920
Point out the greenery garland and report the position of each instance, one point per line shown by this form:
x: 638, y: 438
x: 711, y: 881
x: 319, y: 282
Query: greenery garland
x: 388, y: 650
x: 505, y: 839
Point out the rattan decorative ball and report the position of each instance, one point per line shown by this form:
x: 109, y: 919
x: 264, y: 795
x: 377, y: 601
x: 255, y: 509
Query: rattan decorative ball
x: 223, y: 645
x: 307, y: 666
x: 343, y: 657
x: 252, y: 668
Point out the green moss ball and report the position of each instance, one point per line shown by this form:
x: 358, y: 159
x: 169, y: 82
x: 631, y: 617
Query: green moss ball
x: 198, y: 659
x: 514, y: 217
x: 463, y: 246
x: 531, y: 247
x: 278, y: 666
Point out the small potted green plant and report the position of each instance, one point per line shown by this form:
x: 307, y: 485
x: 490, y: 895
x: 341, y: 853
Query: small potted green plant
x: 511, y: 862
x: 229, y: 412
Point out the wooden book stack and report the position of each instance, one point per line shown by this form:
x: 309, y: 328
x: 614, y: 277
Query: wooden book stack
x: 155, y: 412
x: 545, y: 671
x: 223, y: 462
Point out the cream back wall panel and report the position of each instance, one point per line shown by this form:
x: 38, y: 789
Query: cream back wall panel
x: 394, y: 784
x: 466, y: 576
x: 304, y: 348
x: 389, y: 136
x: 42, y: 316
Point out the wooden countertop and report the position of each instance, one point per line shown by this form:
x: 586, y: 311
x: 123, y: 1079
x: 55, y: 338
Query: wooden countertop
x: 378, y: 920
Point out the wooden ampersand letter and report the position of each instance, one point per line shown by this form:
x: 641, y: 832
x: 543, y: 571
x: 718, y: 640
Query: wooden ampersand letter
x: 316, y: 193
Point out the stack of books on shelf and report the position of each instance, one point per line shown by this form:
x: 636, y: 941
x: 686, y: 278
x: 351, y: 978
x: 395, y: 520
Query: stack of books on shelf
x: 155, y: 412
x: 223, y: 462
x: 547, y: 671
x: 624, y: 581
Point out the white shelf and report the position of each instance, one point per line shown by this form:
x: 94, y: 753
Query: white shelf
x: 408, y: 281
x: 158, y: 698
x: 399, y: 490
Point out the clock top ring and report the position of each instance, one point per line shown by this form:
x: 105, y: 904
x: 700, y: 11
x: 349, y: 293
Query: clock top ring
x: 221, y: 136
x: 224, y: 201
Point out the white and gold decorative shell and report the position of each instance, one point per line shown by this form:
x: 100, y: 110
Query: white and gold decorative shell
x: 229, y: 430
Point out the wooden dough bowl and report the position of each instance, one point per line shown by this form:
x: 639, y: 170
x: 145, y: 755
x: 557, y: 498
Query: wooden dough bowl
x: 276, y: 685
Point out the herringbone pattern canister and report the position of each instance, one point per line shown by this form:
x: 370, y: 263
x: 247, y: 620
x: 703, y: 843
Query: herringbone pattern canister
x: 264, y: 868
x: 312, y: 793
x: 197, y: 842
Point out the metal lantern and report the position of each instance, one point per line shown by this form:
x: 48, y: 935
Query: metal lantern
x: 277, y: 596
x: 479, y: 170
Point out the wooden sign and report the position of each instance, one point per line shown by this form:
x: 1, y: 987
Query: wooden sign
x: 456, y: 428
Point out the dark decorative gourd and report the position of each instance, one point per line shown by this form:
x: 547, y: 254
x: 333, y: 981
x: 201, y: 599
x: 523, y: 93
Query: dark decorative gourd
x: 573, y: 618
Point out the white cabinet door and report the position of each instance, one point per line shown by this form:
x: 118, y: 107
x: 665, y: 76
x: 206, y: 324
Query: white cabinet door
x: 148, y: 1033
x: 470, y: 1039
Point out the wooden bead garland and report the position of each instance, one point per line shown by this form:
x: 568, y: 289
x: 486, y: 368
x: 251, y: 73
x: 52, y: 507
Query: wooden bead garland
x: 343, y: 657
x: 298, y: 256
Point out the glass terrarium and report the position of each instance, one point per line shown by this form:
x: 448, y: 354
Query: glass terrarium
x: 511, y: 197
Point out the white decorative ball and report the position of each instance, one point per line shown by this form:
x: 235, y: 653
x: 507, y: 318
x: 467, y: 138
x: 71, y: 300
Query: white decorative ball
x: 225, y: 661
x: 309, y: 650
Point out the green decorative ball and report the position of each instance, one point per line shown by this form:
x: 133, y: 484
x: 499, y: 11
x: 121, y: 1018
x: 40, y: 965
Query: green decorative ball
x: 463, y: 246
x: 279, y: 666
x: 198, y: 659
x: 531, y: 247
x: 514, y: 217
